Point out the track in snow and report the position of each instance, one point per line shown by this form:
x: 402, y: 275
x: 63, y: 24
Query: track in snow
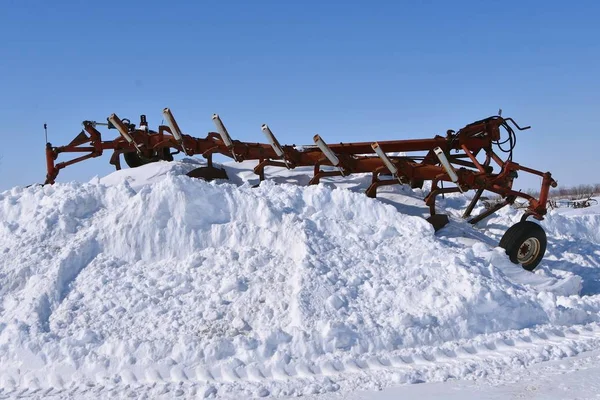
x: 159, y: 285
x: 466, y: 359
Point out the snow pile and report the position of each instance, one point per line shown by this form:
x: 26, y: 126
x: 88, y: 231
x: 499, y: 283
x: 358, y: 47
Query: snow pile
x: 149, y: 276
x: 575, y: 224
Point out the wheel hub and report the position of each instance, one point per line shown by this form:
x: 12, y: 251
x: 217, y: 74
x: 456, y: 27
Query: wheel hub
x: 528, y: 251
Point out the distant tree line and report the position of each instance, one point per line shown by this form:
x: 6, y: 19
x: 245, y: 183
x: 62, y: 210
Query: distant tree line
x: 582, y: 191
x: 579, y: 191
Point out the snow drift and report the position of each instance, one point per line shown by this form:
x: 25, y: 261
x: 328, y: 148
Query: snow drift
x: 149, y: 276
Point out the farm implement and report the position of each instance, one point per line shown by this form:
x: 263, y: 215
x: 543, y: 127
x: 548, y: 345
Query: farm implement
x: 573, y: 203
x: 467, y: 159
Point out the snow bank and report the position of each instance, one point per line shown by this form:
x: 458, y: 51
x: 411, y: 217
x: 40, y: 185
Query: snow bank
x: 150, y: 276
x: 575, y: 224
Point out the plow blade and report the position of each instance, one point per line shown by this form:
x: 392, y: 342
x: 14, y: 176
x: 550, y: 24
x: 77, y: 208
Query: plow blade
x: 438, y: 221
x: 208, y: 173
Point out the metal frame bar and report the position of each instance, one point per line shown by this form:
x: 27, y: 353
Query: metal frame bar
x: 349, y: 158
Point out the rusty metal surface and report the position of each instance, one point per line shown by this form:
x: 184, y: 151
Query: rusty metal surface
x: 461, y: 148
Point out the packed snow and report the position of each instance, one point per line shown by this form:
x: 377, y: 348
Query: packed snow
x: 151, y: 283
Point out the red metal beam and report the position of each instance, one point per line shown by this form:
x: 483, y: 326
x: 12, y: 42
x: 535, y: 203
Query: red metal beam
x: 354, y: 157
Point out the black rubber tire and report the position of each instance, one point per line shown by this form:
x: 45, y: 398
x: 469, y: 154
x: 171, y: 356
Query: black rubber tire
x: 134, y: 160
x: 528, y: 235
x: 167, y: 156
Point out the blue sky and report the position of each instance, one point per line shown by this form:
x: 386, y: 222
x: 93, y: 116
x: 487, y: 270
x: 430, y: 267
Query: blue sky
x: 347, y: 70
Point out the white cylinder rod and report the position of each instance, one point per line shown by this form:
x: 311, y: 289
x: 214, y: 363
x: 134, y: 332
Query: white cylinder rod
x: 175, y: 131
x: 123, y: 130
x: 273, y: 141
x: 222, y: 131
x: 447, y: 166
x: 172, y: 124
x: 335, y: 161
x: 386, y: 160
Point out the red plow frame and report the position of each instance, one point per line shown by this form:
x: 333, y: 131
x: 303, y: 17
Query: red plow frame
x: 463, y: 169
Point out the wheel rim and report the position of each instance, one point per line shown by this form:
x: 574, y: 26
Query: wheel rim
x: 528, y: 251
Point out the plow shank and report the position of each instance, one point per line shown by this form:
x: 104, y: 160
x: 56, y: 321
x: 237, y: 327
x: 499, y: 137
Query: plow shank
x: 451, y: 158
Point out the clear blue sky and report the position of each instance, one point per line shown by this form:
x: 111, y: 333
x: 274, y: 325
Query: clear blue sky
x: 346, y: 70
